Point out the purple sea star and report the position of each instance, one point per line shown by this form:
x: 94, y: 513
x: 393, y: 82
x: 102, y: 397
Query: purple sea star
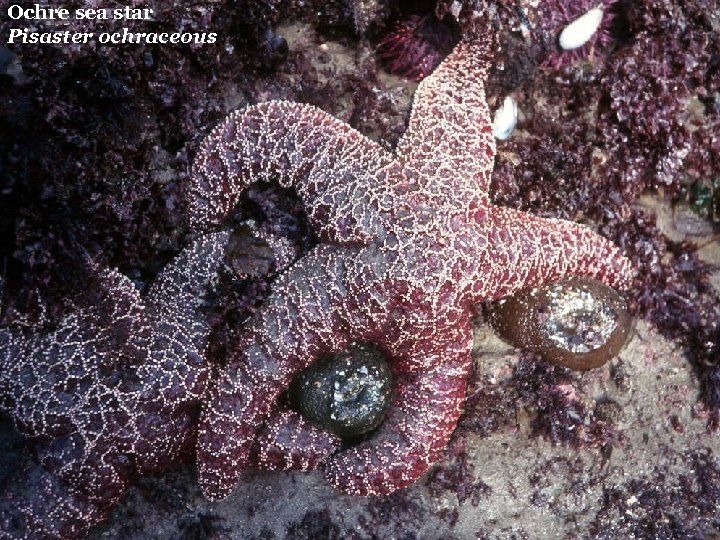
x: 112, y: 392
x: 410, y: 245
x: 108, y: 393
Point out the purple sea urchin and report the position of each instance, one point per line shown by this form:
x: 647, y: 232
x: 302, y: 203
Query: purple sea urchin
x: 415, y: 46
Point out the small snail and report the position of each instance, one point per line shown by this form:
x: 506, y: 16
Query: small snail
x: 581, y: 30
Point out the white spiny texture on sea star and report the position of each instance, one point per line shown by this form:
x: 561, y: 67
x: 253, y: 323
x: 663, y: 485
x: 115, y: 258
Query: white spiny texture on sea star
x: 410, y: 243
x: 110, y: 392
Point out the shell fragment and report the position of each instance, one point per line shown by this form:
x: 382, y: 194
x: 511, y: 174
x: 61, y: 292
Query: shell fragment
x: 505, y: 119
x: 578, y: 33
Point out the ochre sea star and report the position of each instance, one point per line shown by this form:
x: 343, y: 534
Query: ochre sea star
x: 107, y: 394
x: 410, y: 245
x: 111, y: 392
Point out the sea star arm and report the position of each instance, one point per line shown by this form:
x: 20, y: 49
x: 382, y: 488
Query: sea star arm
x: 304, y: 317
x: 59, y: 393
x: 36, y: 505
x: 528, y: 251
x: 425, y: 410
x: 14, y: 345
x: 287, y: 441
x: 179, y: 293
x: 449, y: 137
x: 118, y: 390
x: 301, y: 147
x: 35, y: 389
x: 175, y: 370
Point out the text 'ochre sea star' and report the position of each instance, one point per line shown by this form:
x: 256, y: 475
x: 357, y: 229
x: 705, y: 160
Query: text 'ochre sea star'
x: 410, y: 245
